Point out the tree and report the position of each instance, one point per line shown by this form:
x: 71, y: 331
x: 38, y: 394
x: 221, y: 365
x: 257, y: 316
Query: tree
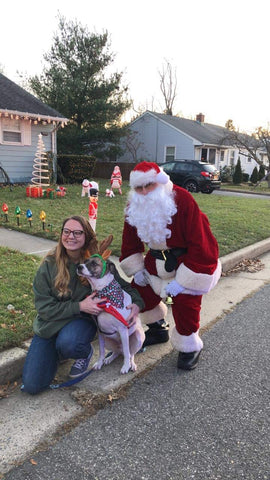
x: 253, y: 145
x: 261, y: 173
x: 168, y: 85
x: 254, y: 176
x: 75, y: 83
x: 238, y: 174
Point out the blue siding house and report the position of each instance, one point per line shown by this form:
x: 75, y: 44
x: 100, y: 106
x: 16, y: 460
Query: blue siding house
x: 22, y: 118
x: 160, y: 138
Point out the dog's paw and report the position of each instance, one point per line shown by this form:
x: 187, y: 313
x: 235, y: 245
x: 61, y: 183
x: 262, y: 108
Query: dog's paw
x: 125, y: 368
x: 109, y: 359
x: 133, y: 366
x: 98, y: 365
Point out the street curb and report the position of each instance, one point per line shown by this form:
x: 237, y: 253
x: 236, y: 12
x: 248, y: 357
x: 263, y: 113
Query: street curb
x: 12, y: 360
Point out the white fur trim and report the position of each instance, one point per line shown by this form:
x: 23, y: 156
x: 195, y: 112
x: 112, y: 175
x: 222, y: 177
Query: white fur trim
x: 154, y: 315
x: 132, y: 264
x: 199, y: 283
x: 139, y: 179
x: 186, y: 343
x: 162, y: 177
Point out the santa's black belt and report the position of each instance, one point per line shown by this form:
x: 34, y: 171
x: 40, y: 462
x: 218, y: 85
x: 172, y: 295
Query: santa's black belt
x: 169, y: 256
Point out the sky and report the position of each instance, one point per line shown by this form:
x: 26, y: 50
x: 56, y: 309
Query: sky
x: 219, y: 50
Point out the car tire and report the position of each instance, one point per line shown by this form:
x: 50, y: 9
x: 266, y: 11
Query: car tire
x: 191, y: 186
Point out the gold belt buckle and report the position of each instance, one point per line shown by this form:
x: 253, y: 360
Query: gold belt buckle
x: 163, y: 254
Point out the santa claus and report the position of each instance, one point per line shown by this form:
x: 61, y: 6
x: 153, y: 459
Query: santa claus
x: 181, y: 262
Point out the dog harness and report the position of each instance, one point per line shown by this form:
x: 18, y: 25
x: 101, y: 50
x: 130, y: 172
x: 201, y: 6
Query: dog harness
x: 109, y: 308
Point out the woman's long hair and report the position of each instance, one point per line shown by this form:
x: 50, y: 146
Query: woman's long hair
x: 90, y: 247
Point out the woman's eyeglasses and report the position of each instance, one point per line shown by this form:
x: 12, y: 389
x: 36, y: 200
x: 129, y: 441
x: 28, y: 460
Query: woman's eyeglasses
x: 76, y: 233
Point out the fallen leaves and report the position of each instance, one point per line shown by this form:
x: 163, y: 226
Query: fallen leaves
x: 246, y: 265
x: 6, y: 390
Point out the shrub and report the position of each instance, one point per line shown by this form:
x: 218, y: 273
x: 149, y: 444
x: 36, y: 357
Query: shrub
x: 238, y: 176
x: 245, y: 177
x: 254, y: 175
x: 261, y: 173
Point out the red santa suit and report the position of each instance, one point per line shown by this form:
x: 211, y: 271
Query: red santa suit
x: 196, y: 271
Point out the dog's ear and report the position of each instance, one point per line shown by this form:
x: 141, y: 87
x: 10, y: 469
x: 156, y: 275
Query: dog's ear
x: 111, y: 267
x: 103, y: 247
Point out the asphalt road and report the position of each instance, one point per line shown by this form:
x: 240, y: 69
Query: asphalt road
x: 238, y: 194
x: 208, y: 424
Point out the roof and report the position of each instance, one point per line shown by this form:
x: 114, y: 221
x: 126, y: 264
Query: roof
x: 204, y: 133
x: 14, y: 99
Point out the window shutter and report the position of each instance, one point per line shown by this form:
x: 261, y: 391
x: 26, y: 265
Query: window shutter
x: 26, y: 128
x: 1, y: 134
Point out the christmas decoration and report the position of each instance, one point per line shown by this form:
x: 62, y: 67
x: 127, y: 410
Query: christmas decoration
x: 29, y: 216
x: 85, y: 188
x: 5, y: 210
x: 93, y: 204
x: 18, y: 213
x: 109, y: 193
x: 41, y: 175
x: 42, y: 217
x: 116, y: 179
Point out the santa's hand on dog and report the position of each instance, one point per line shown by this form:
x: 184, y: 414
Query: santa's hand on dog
x: 134, y: 312
x: 91, y: 304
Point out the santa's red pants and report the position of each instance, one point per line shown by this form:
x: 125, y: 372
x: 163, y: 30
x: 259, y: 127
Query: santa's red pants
x: 185, y: 309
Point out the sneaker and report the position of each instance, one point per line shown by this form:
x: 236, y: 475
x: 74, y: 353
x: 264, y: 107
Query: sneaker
x: 80, y: 366
x: 157, y: 332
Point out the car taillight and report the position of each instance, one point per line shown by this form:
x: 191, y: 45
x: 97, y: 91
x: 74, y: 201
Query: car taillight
x: 206, y: 174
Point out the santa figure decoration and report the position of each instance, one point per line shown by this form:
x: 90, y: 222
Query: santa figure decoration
x: 85, y: 188
x: 116, y: 179
x: 181, y: 262
x: 93, y: 204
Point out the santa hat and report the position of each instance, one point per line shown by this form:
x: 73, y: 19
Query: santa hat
x: 147, y: 172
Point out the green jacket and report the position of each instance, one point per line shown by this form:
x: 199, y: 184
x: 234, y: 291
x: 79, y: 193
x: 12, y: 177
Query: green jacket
x: 53, y: 312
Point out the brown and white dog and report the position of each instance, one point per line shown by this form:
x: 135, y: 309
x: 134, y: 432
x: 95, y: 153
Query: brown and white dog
x: 113, y: 334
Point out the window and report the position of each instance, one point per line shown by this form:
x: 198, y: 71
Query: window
x: 170, y: 154
x: 231, y: 157
x: 222, y: 155
x: 11, y: 131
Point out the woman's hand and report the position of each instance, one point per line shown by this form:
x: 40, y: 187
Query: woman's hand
x: 90, y: 304
x: 134, y: 312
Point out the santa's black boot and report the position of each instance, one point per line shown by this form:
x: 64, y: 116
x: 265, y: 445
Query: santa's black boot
x: 157, y: 332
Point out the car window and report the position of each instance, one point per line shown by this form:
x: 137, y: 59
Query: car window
x: 209, y: 168
x: 182, y: 167
x: 168, y: 167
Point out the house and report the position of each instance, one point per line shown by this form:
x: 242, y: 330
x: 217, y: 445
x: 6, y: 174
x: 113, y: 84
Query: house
x: 160, y: 138
x: 22, y: 118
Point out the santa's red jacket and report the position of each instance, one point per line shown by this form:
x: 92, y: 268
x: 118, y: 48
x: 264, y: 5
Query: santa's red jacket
x: 198, y: 270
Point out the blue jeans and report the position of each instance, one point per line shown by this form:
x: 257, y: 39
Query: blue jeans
x: 72, y: 341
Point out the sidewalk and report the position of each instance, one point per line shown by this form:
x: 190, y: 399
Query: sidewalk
x: 21, y: 413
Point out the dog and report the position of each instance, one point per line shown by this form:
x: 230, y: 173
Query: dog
x: 114, y: 333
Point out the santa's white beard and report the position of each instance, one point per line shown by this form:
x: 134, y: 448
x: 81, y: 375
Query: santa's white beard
x: 151, y: 214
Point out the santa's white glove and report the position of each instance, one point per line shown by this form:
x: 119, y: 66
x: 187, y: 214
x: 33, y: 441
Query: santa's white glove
x: 174, y: 288
x: 140, y: 278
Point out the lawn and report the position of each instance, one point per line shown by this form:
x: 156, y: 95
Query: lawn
x: 236, y: 222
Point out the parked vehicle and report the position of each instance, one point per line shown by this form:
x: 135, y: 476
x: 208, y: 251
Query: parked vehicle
x: 193, y: 175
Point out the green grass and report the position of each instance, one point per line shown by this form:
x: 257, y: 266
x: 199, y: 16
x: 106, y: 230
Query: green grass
x: 236, y: 222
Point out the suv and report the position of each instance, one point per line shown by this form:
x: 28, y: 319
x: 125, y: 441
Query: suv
x: 193, y: 175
